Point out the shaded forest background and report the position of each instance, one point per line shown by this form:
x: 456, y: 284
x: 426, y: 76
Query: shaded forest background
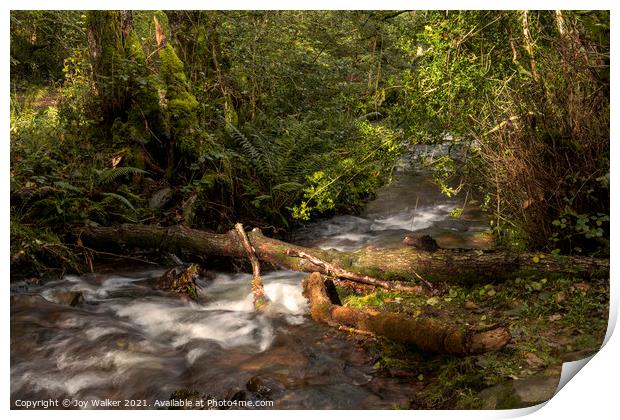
x: 206, y: 118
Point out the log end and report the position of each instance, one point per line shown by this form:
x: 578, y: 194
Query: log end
x: 492, y: 340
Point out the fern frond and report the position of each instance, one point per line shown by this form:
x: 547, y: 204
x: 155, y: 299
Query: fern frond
x: 255, y: 151
x: 67, y: 187
x: 108, y: 175
x: 118, y: 197
x: 370, y: 115
x: 287, y: 187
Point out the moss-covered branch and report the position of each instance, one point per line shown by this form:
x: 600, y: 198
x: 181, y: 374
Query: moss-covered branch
x: 427, y: 333
x: 387, y: 264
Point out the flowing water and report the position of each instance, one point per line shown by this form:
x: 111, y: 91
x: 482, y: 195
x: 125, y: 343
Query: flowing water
x: 129, y: 341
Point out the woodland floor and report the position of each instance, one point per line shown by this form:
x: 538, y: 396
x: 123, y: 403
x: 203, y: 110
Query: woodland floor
x: 552, y: 320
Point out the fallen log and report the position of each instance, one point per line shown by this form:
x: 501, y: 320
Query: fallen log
x: 377, y: 265
x: 231, y: 244
x: 427, y: 333
x: 333, y: 270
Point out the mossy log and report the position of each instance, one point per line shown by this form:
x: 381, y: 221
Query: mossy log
x: 375, y: 267
x: 427, y: 333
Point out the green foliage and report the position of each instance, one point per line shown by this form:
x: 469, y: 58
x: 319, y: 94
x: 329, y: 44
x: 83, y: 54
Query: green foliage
x: 528, y: 92
x: 444, y: 169
x: 108, y: 175
x: 59, y: 182
x: 258, y: 116
x: 34, y: 250
x: 555, y: 318
x: 40, y: 40
x: 356, y: 175
x: 361, y: 302
x: 182, y: 105
x: 171, y: 67
x: 277, y: 117
x: 574, y: 228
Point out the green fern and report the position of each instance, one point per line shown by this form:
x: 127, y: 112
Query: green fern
x: 288, y: 187
x: 370, y: 115
x: 258, y: 150
x: 68, y: 187
x: 257, y: 202
x: 246, y: 145
x: 107, y: 176
x: 113, y: 196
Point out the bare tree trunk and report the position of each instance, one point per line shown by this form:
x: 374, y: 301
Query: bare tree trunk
x: 559, y: 20
x: 528, y: 42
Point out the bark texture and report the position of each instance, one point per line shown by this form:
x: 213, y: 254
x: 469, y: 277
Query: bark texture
x: 376, y: 266
x: 428, y: 334
x: 260, y: 298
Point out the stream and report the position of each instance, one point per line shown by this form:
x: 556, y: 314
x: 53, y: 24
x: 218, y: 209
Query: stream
x: 128, y: 341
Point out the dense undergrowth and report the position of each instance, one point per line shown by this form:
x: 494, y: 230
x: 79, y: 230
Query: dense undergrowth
x: 206, y: 118
x: 160, y: 119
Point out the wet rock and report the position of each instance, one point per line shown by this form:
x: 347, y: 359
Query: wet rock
x: 535, y: 390
x: 256, y: 385
x: 499, y: 397
x: 338, y: 396
x: 66, y: 297
x: 236, y: 395
x: 275, y: 357
x: 451, y: 224
x: 578, y: 355
x: 519, y: 393
x: 26, y: 302
x: 424, y: 243
x: 19, y: 287
x: 401, y: 390
x: 33, y: 281
x: 181, y: 397
x: 160, y: 198
x: 263, y: 386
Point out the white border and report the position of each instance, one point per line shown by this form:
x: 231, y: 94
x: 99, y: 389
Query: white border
x: 592, y: 394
